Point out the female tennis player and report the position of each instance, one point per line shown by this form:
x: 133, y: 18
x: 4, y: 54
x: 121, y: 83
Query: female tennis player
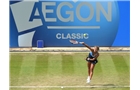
x: 91, y: 60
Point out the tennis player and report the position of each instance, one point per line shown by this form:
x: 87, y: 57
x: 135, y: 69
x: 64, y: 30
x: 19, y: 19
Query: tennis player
x: 91, y: 60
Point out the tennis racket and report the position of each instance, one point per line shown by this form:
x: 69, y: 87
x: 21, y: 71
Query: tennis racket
x: 75, y: 42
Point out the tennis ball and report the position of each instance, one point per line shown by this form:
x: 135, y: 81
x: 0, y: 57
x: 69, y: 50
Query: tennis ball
x: 61, y: 87
x: 85, y: 35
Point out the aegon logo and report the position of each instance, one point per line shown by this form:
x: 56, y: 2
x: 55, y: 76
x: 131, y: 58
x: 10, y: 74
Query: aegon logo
x: 93, y: 13
x: 34, y: 19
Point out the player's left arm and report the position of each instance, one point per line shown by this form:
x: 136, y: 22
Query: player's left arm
x: 95, y: 57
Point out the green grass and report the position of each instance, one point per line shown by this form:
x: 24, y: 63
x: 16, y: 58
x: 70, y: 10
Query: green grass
x: 77, y: 89
x: 68, y: 69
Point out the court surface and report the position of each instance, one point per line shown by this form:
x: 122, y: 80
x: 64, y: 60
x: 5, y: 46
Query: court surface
x: 68, y: 71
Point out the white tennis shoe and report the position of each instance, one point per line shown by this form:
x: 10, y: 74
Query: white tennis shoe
x: 88, y: 79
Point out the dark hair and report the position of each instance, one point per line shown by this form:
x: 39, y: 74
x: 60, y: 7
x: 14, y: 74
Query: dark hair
x: 97, y: 47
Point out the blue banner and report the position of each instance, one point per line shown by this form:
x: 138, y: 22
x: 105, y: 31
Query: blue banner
x: 95, y: 22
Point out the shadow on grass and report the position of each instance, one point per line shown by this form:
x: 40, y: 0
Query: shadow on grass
x: 109, y: 86
x: 102, y: 85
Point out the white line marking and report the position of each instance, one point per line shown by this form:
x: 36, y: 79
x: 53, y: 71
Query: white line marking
x: 75, y: 1
x: 63, y: 52
x: 70, y: 86
x: 73, y: 27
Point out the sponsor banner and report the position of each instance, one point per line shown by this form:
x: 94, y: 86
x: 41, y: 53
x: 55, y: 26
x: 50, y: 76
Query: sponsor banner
x: 95, y: 22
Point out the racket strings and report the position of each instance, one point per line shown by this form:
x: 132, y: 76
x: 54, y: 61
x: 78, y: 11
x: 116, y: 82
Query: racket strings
x: 74, y: 41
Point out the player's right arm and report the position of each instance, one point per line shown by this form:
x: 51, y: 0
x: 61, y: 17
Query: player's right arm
x: 87, y: 46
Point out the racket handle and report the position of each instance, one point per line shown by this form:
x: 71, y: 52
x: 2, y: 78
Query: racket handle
x: 81, y: 42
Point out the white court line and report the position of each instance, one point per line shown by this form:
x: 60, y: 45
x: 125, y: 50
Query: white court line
x: 63, y: 52
x: 69, y: 86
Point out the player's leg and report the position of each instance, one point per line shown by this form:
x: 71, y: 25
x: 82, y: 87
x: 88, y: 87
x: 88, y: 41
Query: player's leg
x: 88, y: 65
x: 88, y: 78
x: 91, y: 70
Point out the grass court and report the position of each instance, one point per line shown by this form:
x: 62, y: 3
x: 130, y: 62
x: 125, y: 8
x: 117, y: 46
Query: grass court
x: 56, y: 69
